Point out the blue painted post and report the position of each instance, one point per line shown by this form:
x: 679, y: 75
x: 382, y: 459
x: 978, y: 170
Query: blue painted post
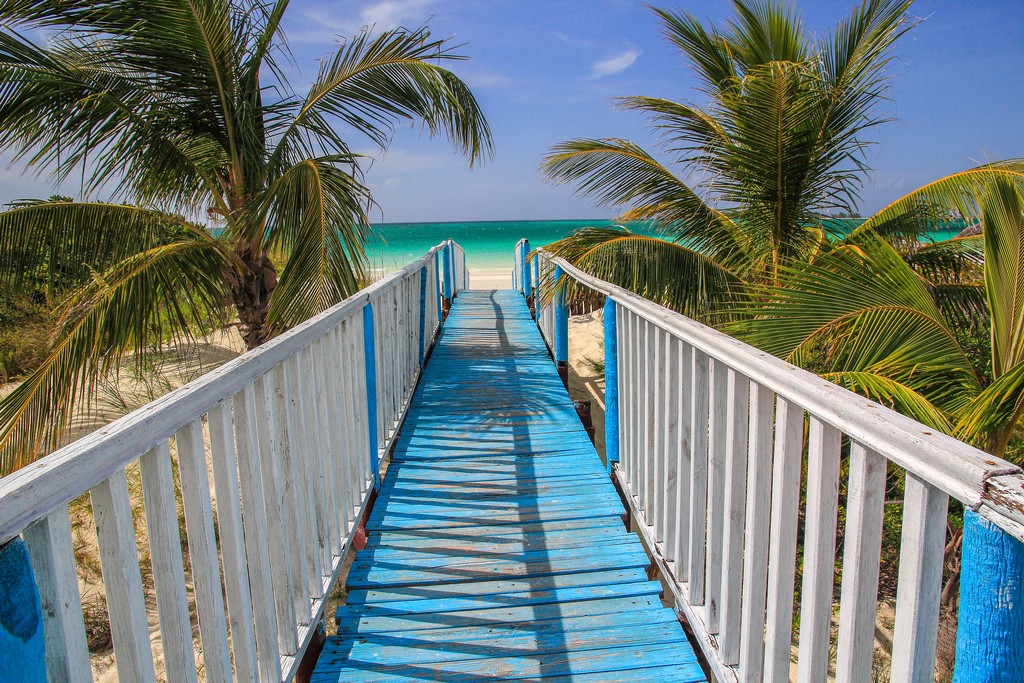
x: 449, y: 275
x: 611, y: 385
x: 437, y: 281
x: 525, y: 277
x: 371, y: 390
x: 561, y: 330
x: 990, y: 628
x: 22, y: 647
x: 423, y: 312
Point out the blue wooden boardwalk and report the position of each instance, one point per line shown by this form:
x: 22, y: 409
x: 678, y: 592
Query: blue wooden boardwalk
x: 496, y: 549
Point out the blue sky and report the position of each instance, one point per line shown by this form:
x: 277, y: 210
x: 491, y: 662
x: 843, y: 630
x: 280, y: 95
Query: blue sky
x: 545, y: 71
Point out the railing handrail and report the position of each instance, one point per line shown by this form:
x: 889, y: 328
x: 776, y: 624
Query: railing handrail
x: 33, y: 491
x: 959, y: 469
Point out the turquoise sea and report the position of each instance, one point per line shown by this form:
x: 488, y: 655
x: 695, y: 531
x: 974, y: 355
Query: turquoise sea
x: 489, y: 244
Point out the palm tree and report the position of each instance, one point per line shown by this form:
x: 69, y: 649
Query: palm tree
x: 777, y: 146
x: 938, y: 336
x: 181, y: 109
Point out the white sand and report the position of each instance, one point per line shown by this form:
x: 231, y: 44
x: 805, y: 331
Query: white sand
x: 490, y: 278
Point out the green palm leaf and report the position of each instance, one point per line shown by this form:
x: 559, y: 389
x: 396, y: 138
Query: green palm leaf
x: 317, y: 216
x: 862, y: 309
x: 891, y: 393
x: 1003, y: 221
x: 371, y: 84
x: 158, y: 294
x: 662, y: 271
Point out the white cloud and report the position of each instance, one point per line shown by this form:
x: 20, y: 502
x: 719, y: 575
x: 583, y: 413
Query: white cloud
x: 614, y: 65
x: 323, y: 23
x: 391, y: 13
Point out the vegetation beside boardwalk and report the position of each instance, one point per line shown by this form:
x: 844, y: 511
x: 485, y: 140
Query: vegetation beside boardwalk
x: 177, y: 109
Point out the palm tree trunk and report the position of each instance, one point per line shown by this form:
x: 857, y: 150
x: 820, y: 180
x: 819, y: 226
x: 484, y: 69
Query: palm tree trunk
x: 250, y: 292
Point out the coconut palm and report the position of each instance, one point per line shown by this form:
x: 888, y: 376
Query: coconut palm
x: 934, y: 339
x: 181, y: 109
x: 779, y: 143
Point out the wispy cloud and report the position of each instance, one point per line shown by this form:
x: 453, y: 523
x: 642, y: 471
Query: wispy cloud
x: 614, y: 65
x: 394, y: 12
x: 322, y: 22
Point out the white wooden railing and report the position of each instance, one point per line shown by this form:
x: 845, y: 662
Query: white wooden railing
x: 293, y: 434
x: 709, y: 442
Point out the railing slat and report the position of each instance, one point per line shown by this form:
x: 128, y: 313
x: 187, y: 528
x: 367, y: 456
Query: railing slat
x: 202, y: 550
x: 668, y: 479
x: 655, y: 419
x: 52, y: 554
x: 698, y: 475
x: 232, y: 541
x: 335, y: 410
x: 717, y: 440
x: 785, y: 510
x: 326, y: 451
x: 254, y: 522
x: 168, y: 569
x: 755, y: 555
x: 122, y: 582
x: 862, y: 542
x: 278, y: 539
x: 734, y: 507
x: 681, y: 510
x: 311, y: 465
x: 298, y: 440
x: 627, y: 391
x: 819, y: 550
x: 922, y: 543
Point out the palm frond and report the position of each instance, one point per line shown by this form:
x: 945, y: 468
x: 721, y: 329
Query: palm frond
x: 317, y: 216
x: 59, y: 239
x: 890, y: 393
x: 371, y: 84
x: 861, y: 309
x: 954, y: 261
x: 954, y: 196
x: 1003, y: 222
x: 991, y: 418
x: 158, y: 294
x: 662, y: 271
x: 620, y: 173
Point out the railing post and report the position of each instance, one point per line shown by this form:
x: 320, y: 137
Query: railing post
x: 21, y: 619
x: 449, y: 276
x: 561, y: 328
x: 990, y: 628
x: 611, y: 385
x: 423, y: 312
x: 527, y: 286
x: 437, y: 282
x: 371, y: 391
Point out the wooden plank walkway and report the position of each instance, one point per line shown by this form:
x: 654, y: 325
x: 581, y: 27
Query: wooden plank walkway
x: 495, y: 549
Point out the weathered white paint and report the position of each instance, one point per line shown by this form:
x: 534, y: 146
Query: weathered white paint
x: 168, y: 569
x: 52, y: 554
x: 734, y: 507
x: 755, y: 555
x: 920, y: 581
x: 700, y: 552
x: 785, y: 509
x: 288, y: 449
x: 119, y: 560
x: 865, y: 502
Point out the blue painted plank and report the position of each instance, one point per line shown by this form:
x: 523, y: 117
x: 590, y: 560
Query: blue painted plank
x: 461, y: 603
x: 539, y: 664
x: 496, y: 548
x: 504, y: 619
x: 501, y: 586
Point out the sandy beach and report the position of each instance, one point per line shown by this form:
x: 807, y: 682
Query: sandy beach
x: 490, y: 278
